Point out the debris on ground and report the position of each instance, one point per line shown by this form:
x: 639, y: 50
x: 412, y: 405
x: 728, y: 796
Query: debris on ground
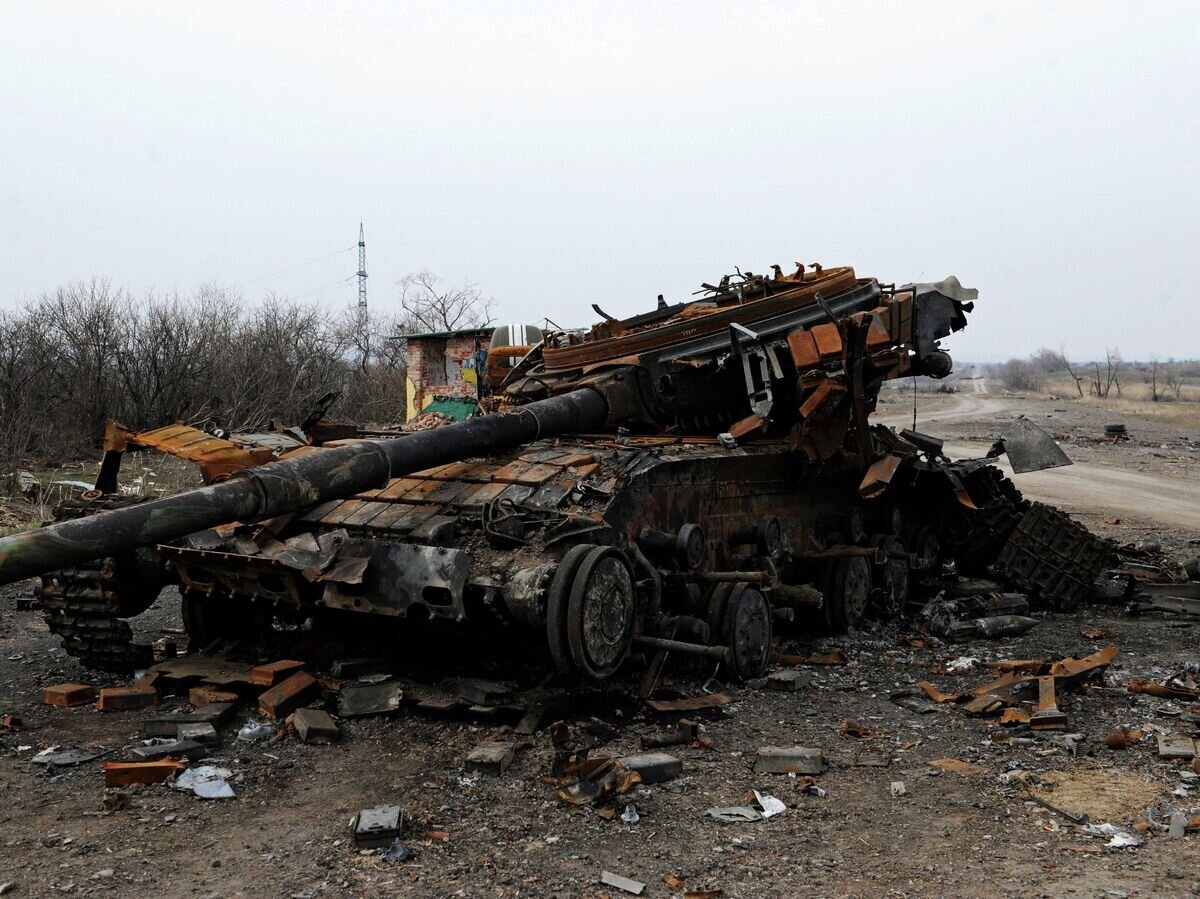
x: 624, y: 884
x: 377, y: 827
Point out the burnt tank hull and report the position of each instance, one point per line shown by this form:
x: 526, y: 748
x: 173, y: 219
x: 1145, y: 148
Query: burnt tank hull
x: 684, y: 524
x: 673, y: 483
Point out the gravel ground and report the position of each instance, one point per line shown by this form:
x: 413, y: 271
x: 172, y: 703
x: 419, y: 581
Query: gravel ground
x: 287, y: 834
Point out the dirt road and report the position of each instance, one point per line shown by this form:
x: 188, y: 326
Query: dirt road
x: 1089, y: 488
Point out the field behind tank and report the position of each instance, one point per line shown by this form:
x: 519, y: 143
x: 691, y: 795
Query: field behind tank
x: 959, y: 828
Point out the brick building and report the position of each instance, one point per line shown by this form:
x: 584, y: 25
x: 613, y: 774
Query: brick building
x: 445, y: 364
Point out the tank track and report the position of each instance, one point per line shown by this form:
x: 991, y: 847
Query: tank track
x: 974, y: 538
x: 1053, y: 558
x: 83, y: 605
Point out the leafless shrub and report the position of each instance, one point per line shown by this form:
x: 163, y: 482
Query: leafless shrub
x: 1021, y: 374
x: 88, y: 351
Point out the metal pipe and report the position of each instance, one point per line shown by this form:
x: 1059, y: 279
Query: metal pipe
x: 871, y: 553
x: 790, y: 595
x: 289, y: 485
x: 714, y: 652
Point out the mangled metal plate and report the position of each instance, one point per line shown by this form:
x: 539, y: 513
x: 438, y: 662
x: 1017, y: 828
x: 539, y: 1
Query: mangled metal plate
x: 1029, y: 448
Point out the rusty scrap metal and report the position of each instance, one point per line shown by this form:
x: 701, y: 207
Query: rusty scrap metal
x: 1048, y: 716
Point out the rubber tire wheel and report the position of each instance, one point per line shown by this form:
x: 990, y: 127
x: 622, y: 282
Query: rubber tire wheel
x: 746, y: 662
x: 557, y: 599
x: 848, y: 591
x: 888, y: 602
x: 578, y: 613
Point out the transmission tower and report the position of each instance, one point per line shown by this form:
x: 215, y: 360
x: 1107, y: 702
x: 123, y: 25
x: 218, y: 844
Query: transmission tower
x: 362, y: 272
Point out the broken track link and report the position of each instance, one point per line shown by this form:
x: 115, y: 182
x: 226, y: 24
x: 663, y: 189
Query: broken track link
x: 1052, y: 558
x: 81, y: 606
x: 84, y: 605
x: 975, y: 537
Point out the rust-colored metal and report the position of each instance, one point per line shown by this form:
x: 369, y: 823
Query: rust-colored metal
x: 700, y: 322
x: 1048, y: 716
x: 217, y: 457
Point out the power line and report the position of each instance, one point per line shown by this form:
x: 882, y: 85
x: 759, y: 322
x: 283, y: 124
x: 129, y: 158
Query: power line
x: 295, y: 267
x: 317, y: 290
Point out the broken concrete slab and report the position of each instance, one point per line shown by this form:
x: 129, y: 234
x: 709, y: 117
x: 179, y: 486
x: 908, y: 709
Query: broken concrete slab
x: 685, y: 732
x: 373, y: 699
x: 314, y: 726
x: 167, y: 725
x: 788, y: 760
x: 1176, y: 746
x: 483, y: 692
x: 491, y: 758
x: 211, y: 669
x: 376, y: 827
x: 654, y: 767
x: 635, y: 887
x: 178, y: 749
x: 789, y: 680
x: 64, y: 758
x: 199, y: 732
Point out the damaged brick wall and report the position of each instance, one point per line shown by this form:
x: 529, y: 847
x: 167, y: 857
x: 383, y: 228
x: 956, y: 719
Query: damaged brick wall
x: 443, y: 365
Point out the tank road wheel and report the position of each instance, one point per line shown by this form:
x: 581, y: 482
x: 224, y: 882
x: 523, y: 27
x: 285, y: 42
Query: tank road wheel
x: 890, y: 595
x: 746, y: 632
x: 848, y: 589
x: 600, y: 613
x: 716, y: 610
x: 557, y: 599
x: 926, y: 549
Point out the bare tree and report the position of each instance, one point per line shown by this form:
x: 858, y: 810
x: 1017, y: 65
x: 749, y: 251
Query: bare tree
x: 1173, y: 380
x: 1112, y: 370
x: 430, y: 307
x: 1066, y: 362
x: 1154, y: 379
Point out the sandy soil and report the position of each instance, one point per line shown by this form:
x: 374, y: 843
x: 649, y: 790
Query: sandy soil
x: 286, y: 833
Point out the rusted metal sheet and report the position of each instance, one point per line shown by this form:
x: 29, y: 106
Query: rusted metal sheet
x: 217, y: 457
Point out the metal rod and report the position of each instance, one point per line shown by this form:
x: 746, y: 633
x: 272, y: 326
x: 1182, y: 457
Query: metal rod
x: 696, y: 649
x: 872, y: 553
x: 796, y: 595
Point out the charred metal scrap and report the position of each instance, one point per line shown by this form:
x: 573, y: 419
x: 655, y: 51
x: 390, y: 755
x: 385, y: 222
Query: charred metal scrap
x: 679, y: 481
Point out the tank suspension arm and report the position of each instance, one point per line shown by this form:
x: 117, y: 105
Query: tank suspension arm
x: 289, y: 485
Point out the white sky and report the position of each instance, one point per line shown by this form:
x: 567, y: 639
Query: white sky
x: 563, y: 154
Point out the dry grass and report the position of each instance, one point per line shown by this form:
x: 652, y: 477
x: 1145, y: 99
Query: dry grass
x: 1135, y: 401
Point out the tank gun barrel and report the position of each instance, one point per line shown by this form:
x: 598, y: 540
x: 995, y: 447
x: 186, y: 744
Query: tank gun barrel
x: 256, y: 494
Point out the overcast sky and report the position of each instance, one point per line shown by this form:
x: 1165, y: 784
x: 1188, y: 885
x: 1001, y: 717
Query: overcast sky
x: 561, y: 154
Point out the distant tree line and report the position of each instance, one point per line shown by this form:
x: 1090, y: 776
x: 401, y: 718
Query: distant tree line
x: 1098, y: 378
x: 90, y: 351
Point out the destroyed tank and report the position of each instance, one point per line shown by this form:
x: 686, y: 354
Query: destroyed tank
x: 683, y: 481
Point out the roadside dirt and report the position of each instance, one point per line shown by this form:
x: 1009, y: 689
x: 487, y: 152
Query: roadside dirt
x: 287, y: 832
